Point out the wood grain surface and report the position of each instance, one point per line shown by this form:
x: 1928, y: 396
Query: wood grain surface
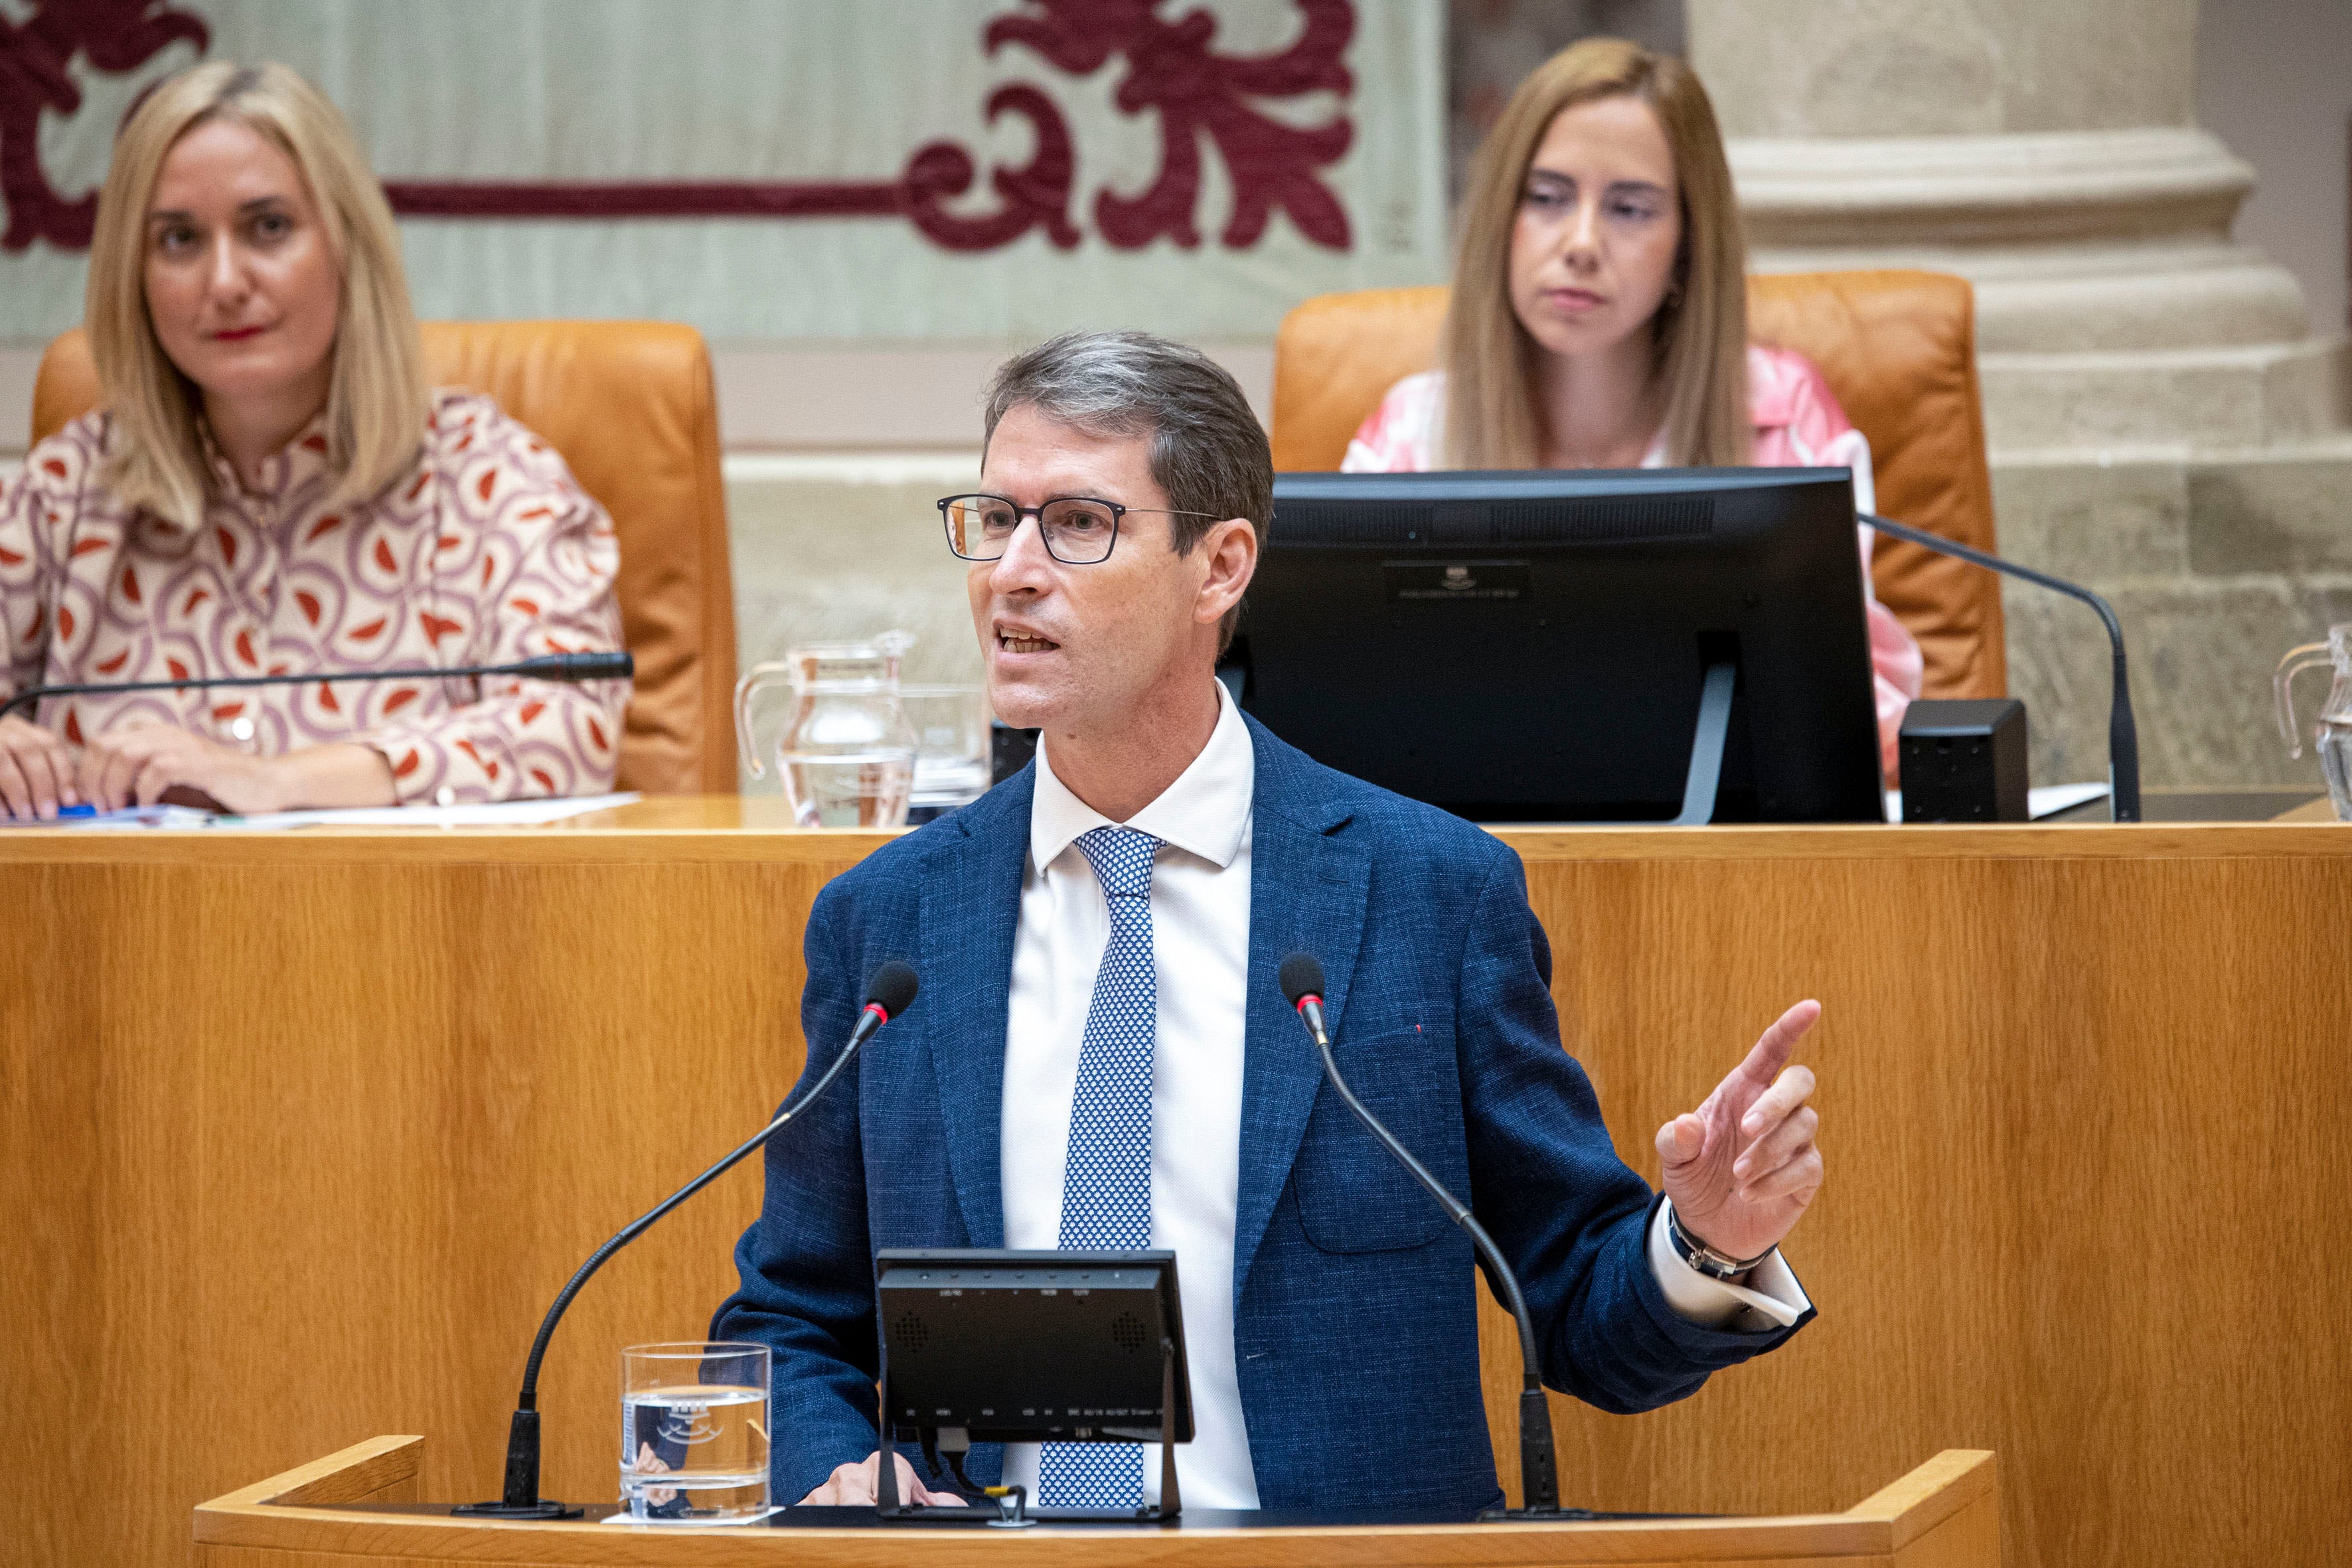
x: 299, y: 1135
x: 1945, y: 1514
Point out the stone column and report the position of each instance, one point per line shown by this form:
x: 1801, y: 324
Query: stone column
x: 2162, y: 420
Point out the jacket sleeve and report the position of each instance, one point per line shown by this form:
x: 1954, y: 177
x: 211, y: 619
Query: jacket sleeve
x: 1547, y: 1182
x: 806, y: 1265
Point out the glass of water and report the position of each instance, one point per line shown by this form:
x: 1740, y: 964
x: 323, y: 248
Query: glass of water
x: 694, y: 1432
x: 950, y: 726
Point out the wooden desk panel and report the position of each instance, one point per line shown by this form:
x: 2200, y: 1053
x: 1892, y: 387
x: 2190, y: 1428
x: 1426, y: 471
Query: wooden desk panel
x: 2077, y: 1115
x: 300, y: 1148
x: 300, y: 1133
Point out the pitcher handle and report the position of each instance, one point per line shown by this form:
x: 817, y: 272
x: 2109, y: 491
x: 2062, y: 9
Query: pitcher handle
x: 758, y: 675
x: 2296, y: 661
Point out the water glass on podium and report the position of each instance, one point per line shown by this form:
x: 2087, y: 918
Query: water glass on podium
x: 694, y: 1432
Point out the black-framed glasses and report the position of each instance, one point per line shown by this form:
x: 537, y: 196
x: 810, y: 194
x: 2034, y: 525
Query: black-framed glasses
x: 1077, y: 530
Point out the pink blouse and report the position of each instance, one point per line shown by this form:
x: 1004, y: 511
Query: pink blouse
x: 486, y: 552
x: 1797, y: 424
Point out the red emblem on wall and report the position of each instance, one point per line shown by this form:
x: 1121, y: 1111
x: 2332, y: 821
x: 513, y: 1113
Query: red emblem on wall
x: 116, y: 36
x: 1205, y: 100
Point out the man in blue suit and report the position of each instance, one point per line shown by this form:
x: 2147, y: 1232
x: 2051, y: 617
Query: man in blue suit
x: 1101, y: 1057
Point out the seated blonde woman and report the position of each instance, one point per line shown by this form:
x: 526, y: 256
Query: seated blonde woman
x: 270, y: 485
x: 1599, y: 315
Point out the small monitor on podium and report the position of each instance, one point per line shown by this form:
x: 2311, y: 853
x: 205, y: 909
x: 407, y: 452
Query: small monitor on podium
x: 995, y: 1346
x: 1659, y: 644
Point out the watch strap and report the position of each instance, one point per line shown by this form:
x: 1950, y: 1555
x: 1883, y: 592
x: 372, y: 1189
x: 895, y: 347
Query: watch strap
x: 1708, y: 1261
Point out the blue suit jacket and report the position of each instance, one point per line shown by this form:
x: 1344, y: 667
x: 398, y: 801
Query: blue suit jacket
x: 1354, y: 1308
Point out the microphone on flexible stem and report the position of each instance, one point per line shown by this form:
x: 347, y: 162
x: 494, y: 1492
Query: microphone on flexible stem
x: 2123, y: 731
x: 1302, y: 983
x: 566, y: 667
x: 887, y: 993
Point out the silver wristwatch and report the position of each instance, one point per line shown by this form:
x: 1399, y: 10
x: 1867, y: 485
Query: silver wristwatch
x: 1705, y: 1258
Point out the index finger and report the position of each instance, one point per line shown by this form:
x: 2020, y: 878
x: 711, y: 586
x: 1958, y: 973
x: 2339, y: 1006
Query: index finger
x: 1771, y: 1052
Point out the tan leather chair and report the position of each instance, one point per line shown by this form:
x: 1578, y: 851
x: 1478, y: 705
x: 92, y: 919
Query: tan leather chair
x: 631, y: 406
x: 1898, y: 348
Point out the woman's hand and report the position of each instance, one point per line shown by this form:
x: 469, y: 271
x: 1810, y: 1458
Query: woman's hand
x: 135, y: 764
x: 36, y: 772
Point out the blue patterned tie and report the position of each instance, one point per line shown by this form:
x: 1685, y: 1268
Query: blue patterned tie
x: 1106, y: 1185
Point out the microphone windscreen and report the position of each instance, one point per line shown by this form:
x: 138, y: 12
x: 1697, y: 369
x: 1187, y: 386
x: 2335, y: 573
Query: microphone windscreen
x: 1301, y: 976
x: 614, y: 665
x: 891, y: 988
x: 600, y: 665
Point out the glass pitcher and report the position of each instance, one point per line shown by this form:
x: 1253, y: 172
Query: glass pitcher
x: 846, y: 753
x: 2333, y: 732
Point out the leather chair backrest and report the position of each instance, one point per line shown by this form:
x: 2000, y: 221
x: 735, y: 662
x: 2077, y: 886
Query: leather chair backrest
x: 1897, y: 347
x: 632, y: 407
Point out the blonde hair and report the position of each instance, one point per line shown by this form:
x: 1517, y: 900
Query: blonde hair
x: 1699, y: 333
x: 378, y: 399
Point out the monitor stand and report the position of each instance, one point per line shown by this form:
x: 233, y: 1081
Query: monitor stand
x: 1706, y: 746
x: 1013, y: 1510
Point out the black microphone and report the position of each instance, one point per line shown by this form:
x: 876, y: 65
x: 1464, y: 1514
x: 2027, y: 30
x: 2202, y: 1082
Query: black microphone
x: 1302, y: 983
x: 2123, y: 731
x: 566, y: 667
x: 887, y: 993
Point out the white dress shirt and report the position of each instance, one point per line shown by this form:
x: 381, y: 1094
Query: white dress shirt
x: 1200, y: 939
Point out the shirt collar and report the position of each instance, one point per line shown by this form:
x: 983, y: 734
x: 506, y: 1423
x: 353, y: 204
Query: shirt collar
x: 299, y: 460
x: 1205, y: 812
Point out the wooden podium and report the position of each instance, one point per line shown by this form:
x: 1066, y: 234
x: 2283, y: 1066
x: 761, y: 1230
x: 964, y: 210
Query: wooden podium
x: 346, y: 1511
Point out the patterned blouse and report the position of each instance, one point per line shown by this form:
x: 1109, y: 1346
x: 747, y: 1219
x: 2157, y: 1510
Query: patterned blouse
x: 1797, y: 424
x: 486, y: 552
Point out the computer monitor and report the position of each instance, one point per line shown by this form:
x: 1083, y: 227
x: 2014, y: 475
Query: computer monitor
x: 1660, y: 645
x: 985, y: 1345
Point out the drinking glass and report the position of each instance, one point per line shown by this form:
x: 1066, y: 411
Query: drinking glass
x: 694, y: 1432
x: 950, y: 726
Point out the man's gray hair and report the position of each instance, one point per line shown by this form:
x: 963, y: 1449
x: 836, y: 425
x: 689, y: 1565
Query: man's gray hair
x: 1208, y: 451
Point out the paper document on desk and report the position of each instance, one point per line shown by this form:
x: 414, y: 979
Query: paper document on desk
x: 131, y: 818
x: 500, y: 813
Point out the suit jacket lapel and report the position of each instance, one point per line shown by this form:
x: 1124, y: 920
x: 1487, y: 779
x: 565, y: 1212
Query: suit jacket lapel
x: 971, y: 909
x: 1308, y: 894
